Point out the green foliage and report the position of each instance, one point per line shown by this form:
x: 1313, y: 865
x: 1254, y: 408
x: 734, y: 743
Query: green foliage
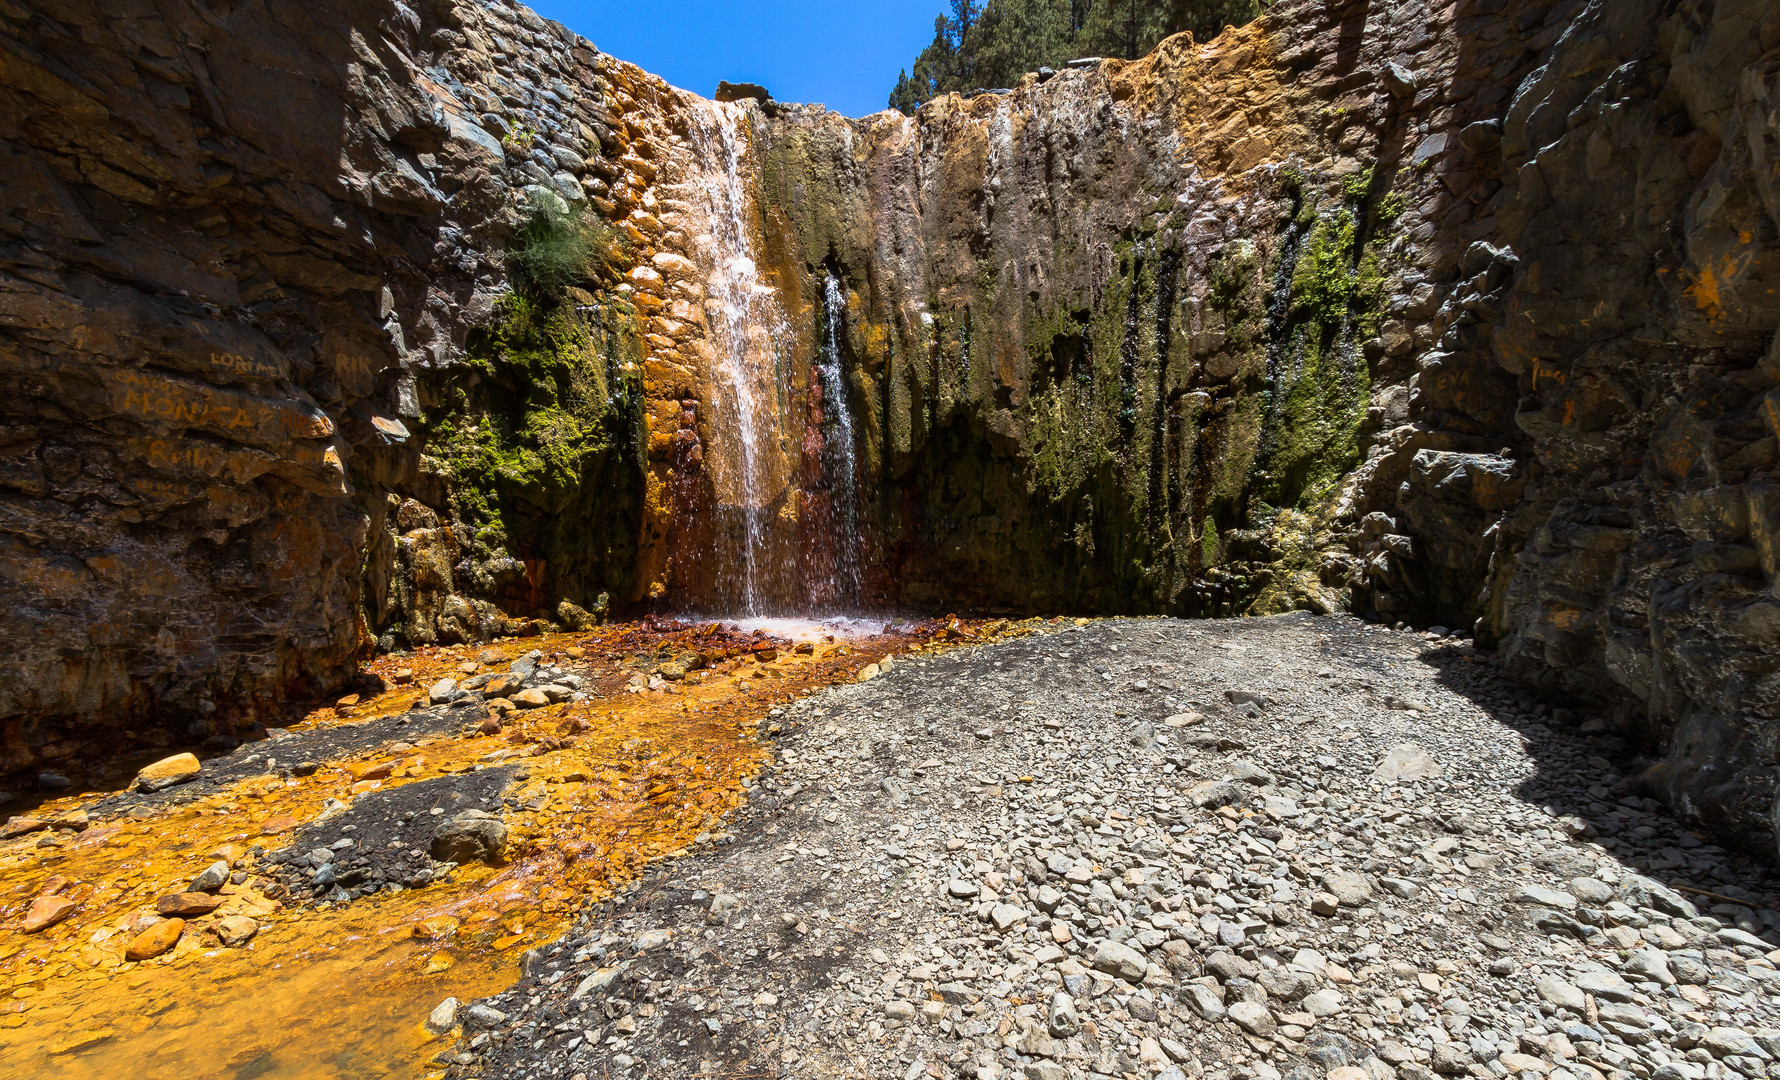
x: 1358, y: 185
x: 557, y: 246
x: 1315, y: 432
x: 519, y: 139
x: 1391, y: 207
x: 521, y: 435
x: 1337, y: 298
x: 993, y: 43
x: 1369, y: 293
x: 1322, y: 282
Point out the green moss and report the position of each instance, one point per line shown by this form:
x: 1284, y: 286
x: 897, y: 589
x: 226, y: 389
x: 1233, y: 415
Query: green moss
x: 1323, y: 281
x: 1317, y: 429
x: 1322, y: 386
x: 1235, y: 294
x: 536, y: 437
x: 1369, y: 292
x: 1390, y: 207
x: 1209, y: 553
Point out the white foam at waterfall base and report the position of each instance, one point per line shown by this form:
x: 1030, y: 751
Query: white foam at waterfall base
x: 813, y: 628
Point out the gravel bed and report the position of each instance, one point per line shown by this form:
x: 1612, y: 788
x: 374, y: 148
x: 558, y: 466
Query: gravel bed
x: 1291, y: 847
x: 388, y: 839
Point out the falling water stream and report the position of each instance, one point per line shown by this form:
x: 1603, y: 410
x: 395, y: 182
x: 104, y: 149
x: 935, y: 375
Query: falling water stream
x: 838, y: 455
x: 744, y: 327
x: 760, y: 517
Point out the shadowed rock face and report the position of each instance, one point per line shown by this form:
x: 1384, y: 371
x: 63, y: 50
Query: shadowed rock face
x: 1461, y: 315
x: 243, y: 259
x: 201, y: 214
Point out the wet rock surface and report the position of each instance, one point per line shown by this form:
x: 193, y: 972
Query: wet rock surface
x: 391, y: 838
x: 555, y: 806
x: 967, y: 867
x: 286, y: 753
x: 299, y: 753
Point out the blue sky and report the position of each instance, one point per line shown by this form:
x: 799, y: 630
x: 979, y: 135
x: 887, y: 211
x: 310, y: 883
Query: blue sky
x: 842, y: 54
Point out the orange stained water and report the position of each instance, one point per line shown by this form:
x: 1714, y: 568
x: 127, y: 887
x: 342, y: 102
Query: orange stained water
x: 337, y: 992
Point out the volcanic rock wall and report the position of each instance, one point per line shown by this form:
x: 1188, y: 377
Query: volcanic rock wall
x: 237, y: 251
x: 1448, y: 314
x: 1123, y: 333
x: 1458, y: 313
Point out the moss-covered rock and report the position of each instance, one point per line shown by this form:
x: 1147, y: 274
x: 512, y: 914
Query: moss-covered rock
x: 533, y: 445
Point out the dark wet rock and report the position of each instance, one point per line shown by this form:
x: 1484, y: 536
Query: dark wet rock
x: 298, y: 753
x: 387, y: 837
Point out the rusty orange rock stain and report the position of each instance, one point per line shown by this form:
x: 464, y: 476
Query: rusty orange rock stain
x: 1705, y: 286
x: 612, y: 784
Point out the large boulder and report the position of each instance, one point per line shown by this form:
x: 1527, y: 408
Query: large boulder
x: 471, y: 836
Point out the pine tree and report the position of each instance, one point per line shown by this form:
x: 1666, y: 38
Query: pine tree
x: 985, y: 44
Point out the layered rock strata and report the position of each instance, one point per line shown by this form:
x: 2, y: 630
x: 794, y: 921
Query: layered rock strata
x: 1458, y: 314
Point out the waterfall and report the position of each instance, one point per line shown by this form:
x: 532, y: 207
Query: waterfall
x: 744, y: 329
x: 774, y: 526
x: 839, y: 463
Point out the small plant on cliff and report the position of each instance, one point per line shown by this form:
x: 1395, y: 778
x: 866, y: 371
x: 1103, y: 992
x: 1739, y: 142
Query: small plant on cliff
x: 1357, y: 186
x: 556, y: 246
x: 1322, y: 282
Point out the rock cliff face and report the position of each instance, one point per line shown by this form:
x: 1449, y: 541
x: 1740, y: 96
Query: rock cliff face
x: 243, y: 258
x: 1457, y: 314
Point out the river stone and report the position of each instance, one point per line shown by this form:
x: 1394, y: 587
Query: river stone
x: 1254, y: 1017
x: 470, y: 837
x: 1559, y: 993
x: 236, y: 930
x: 155, y: 940
x: 1348, y: 888
x: 443, y: 1017
x: 1121, y: 960
x: 212, y: 879
x: 188, y: 904
x: 484, y: 1016
x: 1604, y: 984
x: 167, y: 772
x: 1551, y: 898
x: 1205, y: 1002
x: 46, y: 911
x: 1250, y: 773
x: 1215, y: 793
x: 1062, y: 1020
x: 1591, y: 890
x: 1007, y: 916
x: 1450, y: 1059
x: 1407, y: 761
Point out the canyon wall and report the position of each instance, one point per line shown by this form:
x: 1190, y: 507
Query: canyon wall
x: 1450, y: 313
x: 242, y: 260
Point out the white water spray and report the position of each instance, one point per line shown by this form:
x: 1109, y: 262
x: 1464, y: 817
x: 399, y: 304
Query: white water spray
x: 744, y: 327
